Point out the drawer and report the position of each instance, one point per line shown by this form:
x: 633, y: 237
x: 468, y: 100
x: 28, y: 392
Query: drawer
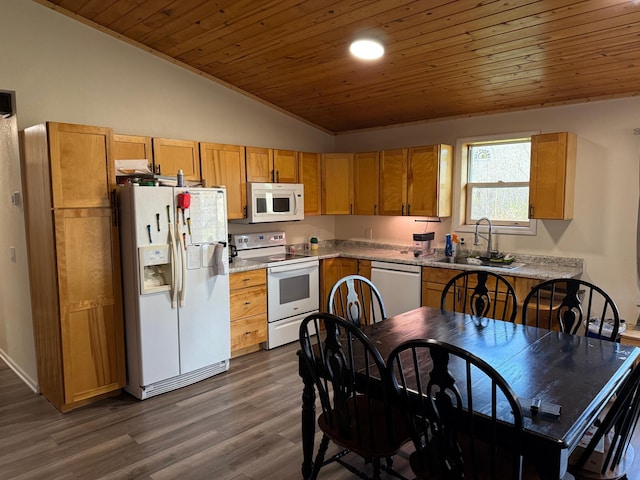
x: 248, y: 301
x: 438, y: 275
x: 248, y: 331
x: 250, y: 278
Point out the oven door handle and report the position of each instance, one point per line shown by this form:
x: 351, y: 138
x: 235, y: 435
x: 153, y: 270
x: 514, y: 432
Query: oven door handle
x: 289, y: 269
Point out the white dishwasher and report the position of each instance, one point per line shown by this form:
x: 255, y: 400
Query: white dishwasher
x: 400, y: 285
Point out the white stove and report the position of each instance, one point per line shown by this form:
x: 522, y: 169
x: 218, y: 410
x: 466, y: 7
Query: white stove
x: 292, y: 283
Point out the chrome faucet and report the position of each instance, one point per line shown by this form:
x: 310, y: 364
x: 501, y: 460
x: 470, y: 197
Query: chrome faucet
x: 478, y: 236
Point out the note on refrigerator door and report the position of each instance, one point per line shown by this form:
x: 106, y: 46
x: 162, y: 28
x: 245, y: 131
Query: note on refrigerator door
x: 208, y: 217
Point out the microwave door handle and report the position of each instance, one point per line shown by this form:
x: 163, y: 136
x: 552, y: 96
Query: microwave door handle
x: 295, y: 203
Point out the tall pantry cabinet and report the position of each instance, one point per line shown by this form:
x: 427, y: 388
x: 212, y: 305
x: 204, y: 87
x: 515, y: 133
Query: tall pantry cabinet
x: 73, y: 263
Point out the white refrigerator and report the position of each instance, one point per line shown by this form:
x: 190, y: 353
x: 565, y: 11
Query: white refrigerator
x: 175, y: 268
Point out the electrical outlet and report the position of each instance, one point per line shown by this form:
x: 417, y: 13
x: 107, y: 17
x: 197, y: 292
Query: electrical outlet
x: 15, y: 199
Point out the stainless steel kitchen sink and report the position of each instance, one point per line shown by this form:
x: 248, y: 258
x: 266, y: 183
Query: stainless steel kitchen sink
x: 485, y: 263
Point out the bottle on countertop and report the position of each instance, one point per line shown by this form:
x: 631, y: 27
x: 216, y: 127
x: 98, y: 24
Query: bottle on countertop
x: 180, y: 180
x: 462, y: 249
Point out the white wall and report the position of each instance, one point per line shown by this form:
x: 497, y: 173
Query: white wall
x: 603, y: 230
x: 64, y: 71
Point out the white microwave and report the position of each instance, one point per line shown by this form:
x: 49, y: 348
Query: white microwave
x: 274, y: 202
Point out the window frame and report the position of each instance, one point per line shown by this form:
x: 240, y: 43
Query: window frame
x: 461, y: 190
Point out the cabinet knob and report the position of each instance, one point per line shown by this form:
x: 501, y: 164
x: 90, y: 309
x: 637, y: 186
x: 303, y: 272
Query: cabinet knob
x: 530, y: 211
x: 402, y: 209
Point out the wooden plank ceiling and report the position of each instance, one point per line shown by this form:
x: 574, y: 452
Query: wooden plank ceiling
x: 443, y: 58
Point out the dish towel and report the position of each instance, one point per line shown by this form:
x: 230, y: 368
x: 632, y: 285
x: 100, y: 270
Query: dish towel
x: 219, y: 265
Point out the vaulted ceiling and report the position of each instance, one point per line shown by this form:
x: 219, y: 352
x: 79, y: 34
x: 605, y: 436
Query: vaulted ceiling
x: 443, y: 58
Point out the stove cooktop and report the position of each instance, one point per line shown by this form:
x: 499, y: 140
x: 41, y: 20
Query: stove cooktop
x: 280, y: 257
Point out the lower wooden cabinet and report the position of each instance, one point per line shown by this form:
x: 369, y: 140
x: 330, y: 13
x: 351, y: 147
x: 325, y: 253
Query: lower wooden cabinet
x: 332, y: 270
x: 435, y: 279
x: 248, y: 294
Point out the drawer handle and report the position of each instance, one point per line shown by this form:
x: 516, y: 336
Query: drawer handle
x: 247, y: 303
x: 248, y: 333
x: 246, y: 279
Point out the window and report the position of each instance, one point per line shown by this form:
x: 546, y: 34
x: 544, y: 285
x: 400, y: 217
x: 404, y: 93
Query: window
x: 498, y: 181
x: 492, y: 180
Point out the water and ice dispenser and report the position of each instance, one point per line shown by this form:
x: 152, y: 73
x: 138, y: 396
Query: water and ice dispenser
x: 155, y: 268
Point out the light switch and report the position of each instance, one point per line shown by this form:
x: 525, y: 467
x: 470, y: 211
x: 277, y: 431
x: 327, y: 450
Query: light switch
x: 12, y: 254
x: 15, y: 199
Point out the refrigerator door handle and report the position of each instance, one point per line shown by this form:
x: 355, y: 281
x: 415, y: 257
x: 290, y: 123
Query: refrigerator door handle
x: 174, y: 258
x: 183, y: 276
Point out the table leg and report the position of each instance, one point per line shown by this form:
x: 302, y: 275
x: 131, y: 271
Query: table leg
x: 308, y: 418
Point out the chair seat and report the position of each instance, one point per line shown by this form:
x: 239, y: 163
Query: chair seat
x: 368, y: 439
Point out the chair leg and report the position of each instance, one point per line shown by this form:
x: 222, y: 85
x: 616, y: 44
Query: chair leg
x: 322, y: 450
x: 376, y: 469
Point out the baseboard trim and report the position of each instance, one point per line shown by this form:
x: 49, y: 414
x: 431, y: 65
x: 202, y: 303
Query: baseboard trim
x: 30, y: 382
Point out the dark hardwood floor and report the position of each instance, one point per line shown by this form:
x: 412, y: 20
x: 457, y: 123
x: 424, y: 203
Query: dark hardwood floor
x: 240, y: 425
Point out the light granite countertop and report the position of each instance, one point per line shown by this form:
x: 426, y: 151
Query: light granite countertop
x: 538, y: 267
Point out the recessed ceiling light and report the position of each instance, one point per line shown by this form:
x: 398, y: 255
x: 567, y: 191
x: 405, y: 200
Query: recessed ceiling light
x: 366, y: 49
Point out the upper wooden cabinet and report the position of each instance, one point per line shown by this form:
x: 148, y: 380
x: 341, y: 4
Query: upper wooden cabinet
x: 552, y: 179
x: 132, y: 147
x: 310, y: 176
x: 169, y: 156
x: 271, y: 166
x: 337, y: 183
x: 393, y: 182
x: 416, y: 181
x: 285, y: 166
x: 430, y: 180
x: 366, y: 172
x: 224, y: 165
x: 81, y: 176
x: 259, y: 164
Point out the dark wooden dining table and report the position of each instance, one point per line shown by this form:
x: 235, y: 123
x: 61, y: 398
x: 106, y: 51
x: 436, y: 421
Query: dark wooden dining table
x: 577, y: 373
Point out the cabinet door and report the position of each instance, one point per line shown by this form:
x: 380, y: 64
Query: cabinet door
x: 332, y: 270
x: 310, y: 173
x: 429, y: 179
x: 364, y: 268
x: 224, y: 165
x: 552, y: 179
x: 259, y: 164
x: 132, y: 147
x: 366, y: 173
x: 92, y: 330
x: 337, y: 183
x: 285, y: 166
x: 169, y: 156
x: 393, y: 182
x: 81, y: 173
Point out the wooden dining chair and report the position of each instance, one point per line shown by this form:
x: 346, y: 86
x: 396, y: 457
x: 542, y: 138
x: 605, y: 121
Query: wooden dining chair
x: 349, y: 376
x: 466, y: 421
x: 357, y: 299
x: 480, y: 293
x: 573, y: 306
